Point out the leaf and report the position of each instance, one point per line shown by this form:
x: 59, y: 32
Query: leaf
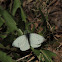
x: 48, y: 55
x: 23, y: 15
x: 3, y: 36
x: 27, y: 26
x: 43, y: 17
x: 36, y: 52
x: 19, y: 32
x: 10, y: 22
x: 5, y: 58
x: 44, y: 23
x: 16, y: 5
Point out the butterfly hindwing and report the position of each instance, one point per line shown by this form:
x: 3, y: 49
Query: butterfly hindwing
x: 22, y: 43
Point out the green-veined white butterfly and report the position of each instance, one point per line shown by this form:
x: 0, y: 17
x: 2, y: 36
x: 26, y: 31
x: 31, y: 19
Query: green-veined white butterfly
x: 25, y: 41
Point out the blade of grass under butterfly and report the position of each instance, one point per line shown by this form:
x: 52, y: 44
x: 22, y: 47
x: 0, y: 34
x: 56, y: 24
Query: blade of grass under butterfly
x: 48, y: 55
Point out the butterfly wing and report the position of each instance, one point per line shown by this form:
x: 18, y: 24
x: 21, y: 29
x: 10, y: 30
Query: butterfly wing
x: 36, y: 40
x: 22, y: 43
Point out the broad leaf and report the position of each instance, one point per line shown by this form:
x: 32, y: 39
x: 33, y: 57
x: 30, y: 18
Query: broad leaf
x: 10, y: 22
x: 5, y: 58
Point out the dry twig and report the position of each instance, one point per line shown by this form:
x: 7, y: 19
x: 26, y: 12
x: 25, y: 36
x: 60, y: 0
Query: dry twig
x: 23, y: 57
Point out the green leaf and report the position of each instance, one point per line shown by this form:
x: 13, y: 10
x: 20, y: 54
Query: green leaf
x: 5, y: 58
x: 10, y: 22
x: 27, y: 26
x: 19, y: 32
x: 48, y: 55
x: 43, y: 17
x: 46, y: 58
x: 36, y: 52
x: 44, y: 23
x: 23, y: 15
x: 16, y: 5
x: 3, y: 36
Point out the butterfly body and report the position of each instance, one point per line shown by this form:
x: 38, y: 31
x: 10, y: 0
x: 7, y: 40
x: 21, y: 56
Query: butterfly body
x: 25, y: 41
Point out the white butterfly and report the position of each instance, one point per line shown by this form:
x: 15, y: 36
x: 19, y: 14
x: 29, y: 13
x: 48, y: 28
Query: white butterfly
x: 23, y: 43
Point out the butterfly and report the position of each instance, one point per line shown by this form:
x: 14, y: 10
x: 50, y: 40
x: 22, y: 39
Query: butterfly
x: 25, y: 41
